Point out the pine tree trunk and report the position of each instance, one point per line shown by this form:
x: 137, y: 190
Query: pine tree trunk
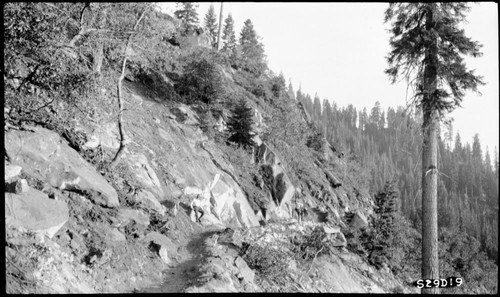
x: 430, y: 264
x: 430, y: 126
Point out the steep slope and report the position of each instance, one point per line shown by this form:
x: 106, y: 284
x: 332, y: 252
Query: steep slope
x: 136, y: 223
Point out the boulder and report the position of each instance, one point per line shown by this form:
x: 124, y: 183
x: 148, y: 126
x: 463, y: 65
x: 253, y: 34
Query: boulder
x: 11, y: 171
x: 116, y: 235
x: 149, y: 201
x: 359, y: 220
x: 44, y: 155
x: 105, y: 135
x: 162, y: 244
x: 144, y: 173
x: 245, y: 273
x: 339, y: 240
x: 231, y: 236
x: 17, y: 187
x: 184, y: 114
x: 35, y: 211
x: 334, y: 182
x: 331, y: 230
x: 136, y: 215
x: 228, y: 203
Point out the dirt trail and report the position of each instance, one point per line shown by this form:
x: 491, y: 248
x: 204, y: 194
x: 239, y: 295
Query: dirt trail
x: 184, y: 271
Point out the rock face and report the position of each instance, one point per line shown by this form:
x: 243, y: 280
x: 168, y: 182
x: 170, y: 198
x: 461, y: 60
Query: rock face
x: 149, y: 201
x: 45, y: 156
x: 105, y: 135
x: 144, y: 173
x: 359, y: 220
x: 224, y: 202
x: 34, y: 211
x: 11, y: 172
x: 282, y: 190
x: 189, y: 165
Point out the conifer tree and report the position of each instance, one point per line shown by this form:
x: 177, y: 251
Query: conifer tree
x: 252, y: 50
x: 210, y: 24
x: 291, y: 93
x: 186, y: 12
x: 240, y: 124
x: 229, y: 38
x: 427, y: 48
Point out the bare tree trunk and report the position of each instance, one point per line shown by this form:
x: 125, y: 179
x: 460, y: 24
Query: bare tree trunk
x: 123, y: 137
x: 220, y: 29
x: 430, y: 126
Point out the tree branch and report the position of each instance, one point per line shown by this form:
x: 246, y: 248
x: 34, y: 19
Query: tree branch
x: 123, y: 138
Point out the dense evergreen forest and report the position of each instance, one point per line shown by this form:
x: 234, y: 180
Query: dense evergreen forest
x: 386, y: 143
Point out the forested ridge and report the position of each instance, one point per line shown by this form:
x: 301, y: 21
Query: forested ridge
x: 386, y: 145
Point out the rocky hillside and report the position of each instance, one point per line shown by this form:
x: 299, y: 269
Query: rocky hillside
x: 77, y: 222
x: 73, y: 228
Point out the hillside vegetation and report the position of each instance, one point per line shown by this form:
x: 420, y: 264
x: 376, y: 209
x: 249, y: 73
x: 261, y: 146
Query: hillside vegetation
x: 117, y: 115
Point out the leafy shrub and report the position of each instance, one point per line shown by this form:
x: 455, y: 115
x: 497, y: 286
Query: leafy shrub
x: 278, y: 85
x: 316, y: 141
x: 268, y: 262
x: 201, y: 79
x: 461, y: 255
x: 308, y: 246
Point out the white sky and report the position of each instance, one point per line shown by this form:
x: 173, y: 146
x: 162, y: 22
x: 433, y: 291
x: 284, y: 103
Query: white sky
x: 338, y: 51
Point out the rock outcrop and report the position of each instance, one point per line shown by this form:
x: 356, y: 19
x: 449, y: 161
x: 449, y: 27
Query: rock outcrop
x: 280, y: 186
x: 34, y: 211
x: 44, y: 155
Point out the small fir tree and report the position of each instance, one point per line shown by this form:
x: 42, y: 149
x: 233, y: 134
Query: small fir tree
x: 240, y: 124
x: 383, y: 226
x: 210, y: 24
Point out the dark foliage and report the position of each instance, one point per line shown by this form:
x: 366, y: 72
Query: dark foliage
x: 240, y: 124
x: 201, y: 81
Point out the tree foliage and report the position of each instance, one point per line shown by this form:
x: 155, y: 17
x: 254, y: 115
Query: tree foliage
x: 414, y: 37
x: 210, y: 24
x: 240, y: 124
x: 252, y: 50
x: 186, y: 12
x: 201, y: 81
x: 230, y: 46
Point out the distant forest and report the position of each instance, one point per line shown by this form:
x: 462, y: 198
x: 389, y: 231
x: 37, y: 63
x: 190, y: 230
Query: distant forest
x: 388, y: 145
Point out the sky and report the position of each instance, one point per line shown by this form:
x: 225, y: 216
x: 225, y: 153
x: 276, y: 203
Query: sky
x: 338, y: 50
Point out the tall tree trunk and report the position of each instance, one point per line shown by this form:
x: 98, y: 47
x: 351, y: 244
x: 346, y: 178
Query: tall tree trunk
x: 220, y: 29
x: 430, y: 264
x: 430, y: 126
x: 123, y: 137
